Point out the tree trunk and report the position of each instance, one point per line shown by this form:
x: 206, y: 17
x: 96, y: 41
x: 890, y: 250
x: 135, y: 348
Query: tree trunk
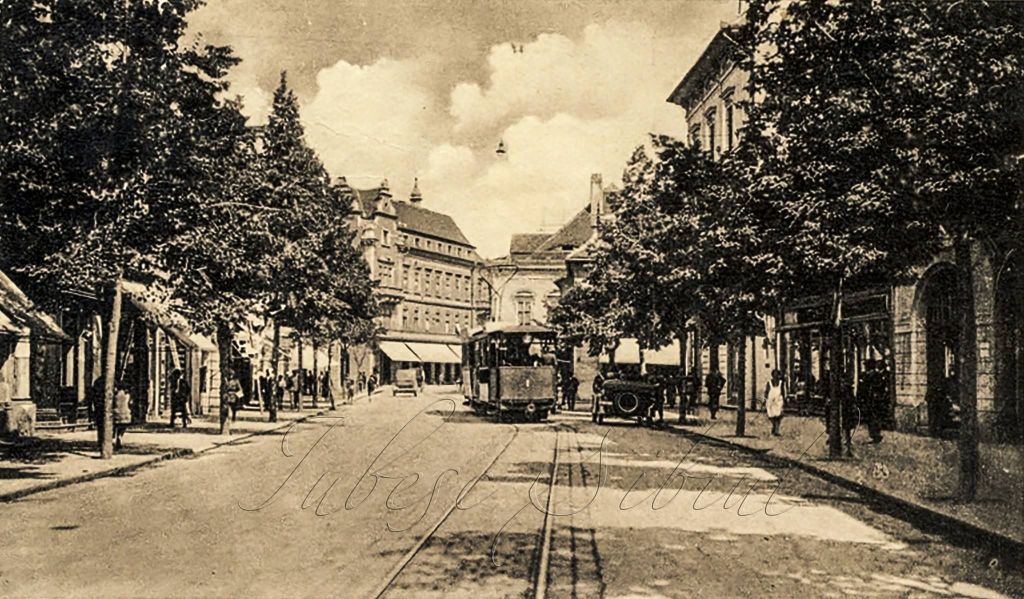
x: 681, y: 388
x: 835, y: 391
x: 741, y: 388
x: 967, y: 373
x: 315, y: 383
x: 275, y: 356
x: 106, y: 431
x: 753, y: 372
x: 226, y: 374
x: 300, y: 378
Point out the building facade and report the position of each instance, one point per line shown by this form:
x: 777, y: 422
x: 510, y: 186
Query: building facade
x: 909, y: 328
x: 431, y: 285
x: 712, y: 93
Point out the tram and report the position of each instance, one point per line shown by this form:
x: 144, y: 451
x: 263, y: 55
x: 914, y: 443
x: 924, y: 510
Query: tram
x: 509, y: 371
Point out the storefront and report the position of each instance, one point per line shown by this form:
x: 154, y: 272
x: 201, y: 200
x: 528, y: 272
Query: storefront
x: 439, y: 362
x: 866, y: 325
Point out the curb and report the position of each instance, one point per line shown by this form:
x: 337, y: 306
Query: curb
x: 949, y: 525
x: 122, y: 470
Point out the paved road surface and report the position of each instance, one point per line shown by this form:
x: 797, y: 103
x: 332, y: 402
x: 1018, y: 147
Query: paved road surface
x: 331, y: 507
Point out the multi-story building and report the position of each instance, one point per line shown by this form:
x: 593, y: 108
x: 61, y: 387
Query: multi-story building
x: 712, y: 93
x: 910, y: 328
x: 431, y: 285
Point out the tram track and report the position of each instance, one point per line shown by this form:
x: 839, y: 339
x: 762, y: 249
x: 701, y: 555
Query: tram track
x: 578, y: 571
x: 389, y: 580
x: 553, y: 571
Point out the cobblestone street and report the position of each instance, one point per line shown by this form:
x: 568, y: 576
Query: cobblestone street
x: 455, y: 505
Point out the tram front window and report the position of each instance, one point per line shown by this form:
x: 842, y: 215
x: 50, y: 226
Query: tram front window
x: 525, y: 351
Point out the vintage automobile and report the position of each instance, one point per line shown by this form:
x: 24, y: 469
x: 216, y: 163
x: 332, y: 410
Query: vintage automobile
x: 407, y: 380
x: 625, y: 399
x: 511, y: 371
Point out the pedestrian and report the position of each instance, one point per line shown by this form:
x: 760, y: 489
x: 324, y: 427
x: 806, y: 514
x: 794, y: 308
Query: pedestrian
x: 362, y: 381
x: 878, y: 399
x: 572, y: 390
x: 279, y: 391
x: 714, y: 382
x: 181, y: 395
x: 371, y: 384
x: 295, y: 389
x: 349, y: 390
x: 122, y: 414
x: 689, y: 396
x: 774, y: 397
x: 659, y: 401
x: 234, y: 395
x: 325, y: 389
x: 851, y: 414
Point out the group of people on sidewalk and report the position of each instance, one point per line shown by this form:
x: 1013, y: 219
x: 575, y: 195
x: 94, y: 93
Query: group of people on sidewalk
x: 867, y: 404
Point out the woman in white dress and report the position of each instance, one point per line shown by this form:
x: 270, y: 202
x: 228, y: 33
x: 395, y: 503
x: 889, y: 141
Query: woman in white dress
x: 773, y: 400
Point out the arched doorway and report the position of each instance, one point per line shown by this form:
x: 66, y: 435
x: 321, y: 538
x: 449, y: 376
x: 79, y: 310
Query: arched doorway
x: 942, y: 344
x: 1009, y: 399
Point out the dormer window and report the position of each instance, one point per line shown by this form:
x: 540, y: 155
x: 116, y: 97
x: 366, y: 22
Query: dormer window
x: 385, y: 237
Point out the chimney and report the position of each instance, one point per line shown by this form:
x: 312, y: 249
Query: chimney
x: 384, y: 189
x: 597, y: 202
x: 416, y: 197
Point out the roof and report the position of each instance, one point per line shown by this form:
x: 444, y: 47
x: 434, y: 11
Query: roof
x: 428, y: 222
x: 365, y: 199
x: 21, y: 312
x: 509, y: 328
x: 705, y: 65
x: 524, y: 243
x: 574, y: 233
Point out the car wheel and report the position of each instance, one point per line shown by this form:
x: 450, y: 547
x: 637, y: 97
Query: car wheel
x: 627, y: 404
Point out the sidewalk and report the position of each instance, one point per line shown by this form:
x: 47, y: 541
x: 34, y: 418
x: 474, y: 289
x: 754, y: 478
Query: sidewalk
x: 52, y: 460
x: 919, y: 471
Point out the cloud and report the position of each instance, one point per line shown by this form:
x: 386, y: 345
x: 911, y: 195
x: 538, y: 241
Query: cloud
x: 565, y: 106
x: 613, y: 68
x: 372, y: 121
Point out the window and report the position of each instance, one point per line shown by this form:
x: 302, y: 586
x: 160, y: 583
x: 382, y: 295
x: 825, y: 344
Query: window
x: 711, y: 133
x: 695, y: 135
x: 405, y: 277
x: 416, y: 281
x: 730, y: 130
x: 427, y: 289
x: 524, y: 308
x: 416, y: 241
x: 385, y: 237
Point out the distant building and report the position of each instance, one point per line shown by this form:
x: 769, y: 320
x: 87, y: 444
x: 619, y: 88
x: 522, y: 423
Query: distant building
x: 526, y: 281
x: 431, y: 285
x: 530, y: 280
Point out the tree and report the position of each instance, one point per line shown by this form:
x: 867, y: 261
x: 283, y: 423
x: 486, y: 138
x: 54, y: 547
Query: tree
x: 881, y: 136
x: 319, y: 267
x: 91, y: 142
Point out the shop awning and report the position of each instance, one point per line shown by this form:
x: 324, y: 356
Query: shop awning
x: 203, y: 343
x: 398, y: 351
x: 437, y: 353
x: 666, y: 356
x: 158, y: 313
x: 21, y: 312
x: 628, y: 352
x: 457, y: 350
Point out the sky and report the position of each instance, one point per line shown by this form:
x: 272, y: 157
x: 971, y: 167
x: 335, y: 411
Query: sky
x: 427, y: 89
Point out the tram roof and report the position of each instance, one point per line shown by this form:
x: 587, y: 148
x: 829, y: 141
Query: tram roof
x: 509, y: 328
